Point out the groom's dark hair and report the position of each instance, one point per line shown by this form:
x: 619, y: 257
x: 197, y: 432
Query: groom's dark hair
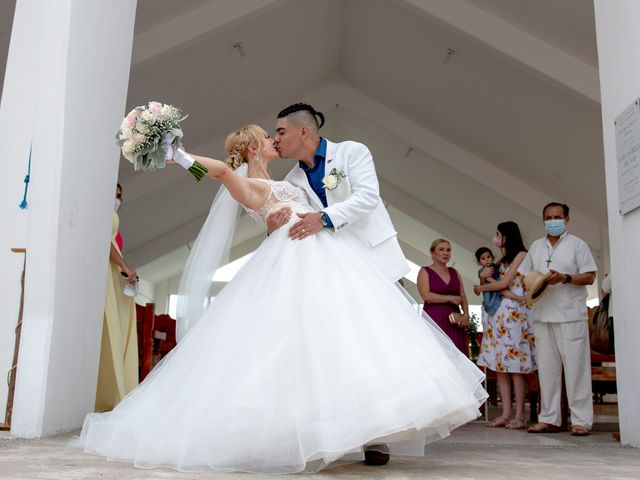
x: 303, y: 107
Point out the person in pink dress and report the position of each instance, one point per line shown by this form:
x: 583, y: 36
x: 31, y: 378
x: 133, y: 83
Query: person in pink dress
x: 441, y: 289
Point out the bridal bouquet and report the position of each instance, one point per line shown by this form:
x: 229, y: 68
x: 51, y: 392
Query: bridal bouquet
x: 151, y: 134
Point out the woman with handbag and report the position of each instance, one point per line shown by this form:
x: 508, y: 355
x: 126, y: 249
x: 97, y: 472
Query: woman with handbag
x: 443, y: 294
x: 508, y: 343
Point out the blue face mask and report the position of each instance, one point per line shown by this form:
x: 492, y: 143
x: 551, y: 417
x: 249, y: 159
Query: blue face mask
x: 555, y: 228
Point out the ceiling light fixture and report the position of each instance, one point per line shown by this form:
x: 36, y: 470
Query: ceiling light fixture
x: 450, y: 53
x: 238, y: 47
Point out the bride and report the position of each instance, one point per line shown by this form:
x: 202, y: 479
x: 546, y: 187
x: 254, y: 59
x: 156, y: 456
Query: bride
x: 308, y: 354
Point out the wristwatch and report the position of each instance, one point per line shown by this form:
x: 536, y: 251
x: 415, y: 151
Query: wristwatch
x: 567, y: 278
x: 324, y: 218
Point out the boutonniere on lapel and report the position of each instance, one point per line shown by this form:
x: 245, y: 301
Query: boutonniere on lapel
x: 331, y: 181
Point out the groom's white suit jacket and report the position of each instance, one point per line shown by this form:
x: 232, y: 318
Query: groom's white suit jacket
x: 355, y: 204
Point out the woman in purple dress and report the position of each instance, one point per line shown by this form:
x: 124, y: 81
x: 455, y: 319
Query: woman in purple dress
x: 441, y: 289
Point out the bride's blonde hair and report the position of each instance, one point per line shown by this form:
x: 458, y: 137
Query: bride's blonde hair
x: 238, y: 142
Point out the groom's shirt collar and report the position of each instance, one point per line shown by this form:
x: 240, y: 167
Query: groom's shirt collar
x: 315, y: 174
x: 318, y: 160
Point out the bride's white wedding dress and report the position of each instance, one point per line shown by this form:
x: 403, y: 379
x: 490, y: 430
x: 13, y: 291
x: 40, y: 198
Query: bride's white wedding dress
x: 306, y: 356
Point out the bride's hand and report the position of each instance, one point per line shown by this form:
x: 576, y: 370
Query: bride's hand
x: 278, y: 219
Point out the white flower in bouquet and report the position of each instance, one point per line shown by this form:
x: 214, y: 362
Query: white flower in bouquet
x: 148, y: 135
x: 142, y: 128
x: 147, y: 116
x: 125, y: 134
x: 170, y: 111
x: 128, y: 147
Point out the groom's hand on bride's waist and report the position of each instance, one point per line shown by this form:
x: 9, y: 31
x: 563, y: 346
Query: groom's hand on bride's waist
x: 278, y: 219
x: 310, y: 224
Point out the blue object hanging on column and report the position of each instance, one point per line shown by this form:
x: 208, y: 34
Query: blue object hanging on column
x: 23, y: 204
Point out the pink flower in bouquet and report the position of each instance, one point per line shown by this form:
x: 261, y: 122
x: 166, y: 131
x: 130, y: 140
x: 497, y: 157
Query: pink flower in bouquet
x: 138, y: 139
x: 155, y: 108
x: 131, y: 118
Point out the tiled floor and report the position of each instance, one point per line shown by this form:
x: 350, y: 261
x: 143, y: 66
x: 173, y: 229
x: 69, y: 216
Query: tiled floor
x: 472, y: 452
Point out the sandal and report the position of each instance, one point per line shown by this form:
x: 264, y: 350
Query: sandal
x: 515, y: 424
x: 579, y: 431
x: 499, y: 422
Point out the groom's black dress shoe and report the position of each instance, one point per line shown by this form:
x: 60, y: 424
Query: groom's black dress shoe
x: 376, y: 455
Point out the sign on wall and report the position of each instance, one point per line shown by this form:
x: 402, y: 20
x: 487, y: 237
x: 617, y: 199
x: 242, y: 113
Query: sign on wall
x: 627, y: 126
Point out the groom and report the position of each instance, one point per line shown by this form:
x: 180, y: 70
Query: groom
x: 341, y: 181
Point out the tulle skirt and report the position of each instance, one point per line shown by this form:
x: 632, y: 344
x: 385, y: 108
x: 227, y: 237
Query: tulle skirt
x: 306, y: 356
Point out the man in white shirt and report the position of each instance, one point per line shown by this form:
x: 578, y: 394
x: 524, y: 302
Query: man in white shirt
x: 560, y: 316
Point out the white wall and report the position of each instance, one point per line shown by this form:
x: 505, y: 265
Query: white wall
x: 618, y: 46
x: 67, y: 75
x: 162, y: 291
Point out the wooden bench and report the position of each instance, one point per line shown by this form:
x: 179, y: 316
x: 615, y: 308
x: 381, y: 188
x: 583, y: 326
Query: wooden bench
x: 603, y: 375
x: 156, y: 337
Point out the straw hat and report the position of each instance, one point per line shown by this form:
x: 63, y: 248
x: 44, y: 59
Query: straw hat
x: 535, y: 284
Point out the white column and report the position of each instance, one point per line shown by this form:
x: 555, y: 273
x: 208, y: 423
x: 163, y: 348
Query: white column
x: 618, y: 46
x: 16, y: 121
x: 68, y: 69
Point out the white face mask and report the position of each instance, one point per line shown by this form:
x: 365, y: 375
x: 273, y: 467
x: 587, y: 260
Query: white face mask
x: 117, y: 204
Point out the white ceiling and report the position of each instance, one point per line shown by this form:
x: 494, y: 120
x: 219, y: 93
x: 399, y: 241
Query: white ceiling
x: 492, y: 132
x: 151, y: 13
x: 568, y: 24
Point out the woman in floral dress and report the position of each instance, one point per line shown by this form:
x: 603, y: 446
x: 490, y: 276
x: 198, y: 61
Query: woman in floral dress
x: 508, y: 345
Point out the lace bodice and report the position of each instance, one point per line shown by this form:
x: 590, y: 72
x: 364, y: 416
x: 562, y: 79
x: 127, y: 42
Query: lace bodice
x: 282, y: 194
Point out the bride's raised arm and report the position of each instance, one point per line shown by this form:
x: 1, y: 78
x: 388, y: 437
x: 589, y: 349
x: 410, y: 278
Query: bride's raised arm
x: 247, y: 191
